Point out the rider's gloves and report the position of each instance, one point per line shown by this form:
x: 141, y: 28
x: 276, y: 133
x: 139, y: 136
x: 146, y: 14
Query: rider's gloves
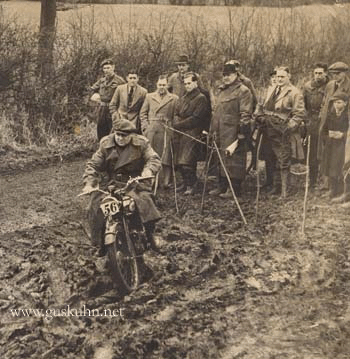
x: 88, y: 188
x: 146, y: 173
x: 292, y: 124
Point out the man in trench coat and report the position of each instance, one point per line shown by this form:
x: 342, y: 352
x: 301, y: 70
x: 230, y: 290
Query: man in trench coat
x: 231, y: 124
x: 340, y: 82
x: 159, y: 110
x: 191, y: 117
x: 122, y: 154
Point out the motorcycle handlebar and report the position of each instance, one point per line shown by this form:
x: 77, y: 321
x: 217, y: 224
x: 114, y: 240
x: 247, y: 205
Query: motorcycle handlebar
x: 130, y: 181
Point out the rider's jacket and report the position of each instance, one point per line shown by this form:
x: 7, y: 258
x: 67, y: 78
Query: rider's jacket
x: 135, y: 159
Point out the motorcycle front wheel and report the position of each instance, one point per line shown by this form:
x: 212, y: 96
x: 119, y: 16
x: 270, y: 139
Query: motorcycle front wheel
x: 123, y: 263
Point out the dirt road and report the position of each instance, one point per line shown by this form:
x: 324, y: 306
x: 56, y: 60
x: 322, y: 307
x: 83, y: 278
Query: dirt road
x: 222, y: 290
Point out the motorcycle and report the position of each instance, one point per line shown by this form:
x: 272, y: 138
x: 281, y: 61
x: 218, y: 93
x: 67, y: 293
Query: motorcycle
x: 125, y: 238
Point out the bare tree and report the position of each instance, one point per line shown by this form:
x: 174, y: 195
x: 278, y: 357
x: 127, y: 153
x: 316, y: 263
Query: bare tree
x: 46, y: 38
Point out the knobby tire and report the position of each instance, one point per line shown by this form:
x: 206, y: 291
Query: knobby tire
x: 124, y: 264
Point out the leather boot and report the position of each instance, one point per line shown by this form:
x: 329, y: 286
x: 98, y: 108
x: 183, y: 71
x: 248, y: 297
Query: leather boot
x: 284, y: 183
x: 333, y: 187
x: 276, y: 188
x: 222, y: 186
x: 344, y: 197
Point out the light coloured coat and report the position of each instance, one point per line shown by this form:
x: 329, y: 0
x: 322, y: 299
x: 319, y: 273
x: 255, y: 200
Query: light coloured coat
x: 156, y: 112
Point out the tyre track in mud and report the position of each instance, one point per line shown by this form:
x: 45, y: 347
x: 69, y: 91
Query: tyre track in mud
x: 221, y: 290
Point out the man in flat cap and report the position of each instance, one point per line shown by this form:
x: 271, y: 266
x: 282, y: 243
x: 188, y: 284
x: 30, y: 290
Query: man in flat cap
x: 231, y: 125
x: 105, y: 87
x: 340, y: 82
x: 122, y: 154
x: 314, y: 91
x: 127, y: 101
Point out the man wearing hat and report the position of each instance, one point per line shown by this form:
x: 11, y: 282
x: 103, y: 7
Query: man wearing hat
x: 127, y: 101
x: 246, y: 81
x: 121, y: 155
x: 314, y: 91
x: 105, y: 87
x: 176, y: 80
x: 340, y: 82
x: 231, y: 124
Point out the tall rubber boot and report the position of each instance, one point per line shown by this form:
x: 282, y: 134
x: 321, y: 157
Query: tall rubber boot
x: 284, y: 183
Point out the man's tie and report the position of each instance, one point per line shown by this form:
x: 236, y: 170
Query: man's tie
x: 131, y: 92
x: 277, y: 92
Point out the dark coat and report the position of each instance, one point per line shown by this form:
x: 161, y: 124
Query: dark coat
x: 131, y: 160
x: 330, y: 91
x: 334, y: 151
x: 190, y: 118
x: 155, y: 112
x: 106, y: 87
x: 119, y: 105
x: 313, y: 98
x: 234, y: 102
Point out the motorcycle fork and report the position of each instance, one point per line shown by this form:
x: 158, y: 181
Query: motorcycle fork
x: 111, y: 232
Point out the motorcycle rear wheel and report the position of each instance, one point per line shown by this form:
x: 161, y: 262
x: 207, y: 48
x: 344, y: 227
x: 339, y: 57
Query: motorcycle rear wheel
x: 124, y: 263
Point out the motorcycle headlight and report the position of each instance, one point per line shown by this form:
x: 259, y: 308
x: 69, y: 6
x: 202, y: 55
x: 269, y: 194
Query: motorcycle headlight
x: 129, y: 203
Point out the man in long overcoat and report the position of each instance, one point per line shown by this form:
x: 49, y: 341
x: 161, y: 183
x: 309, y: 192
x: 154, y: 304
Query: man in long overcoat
x: 122, y: 154
x: 314, y: 91
x: 191, y: 119
x: 106, y: 87
x: 284, y: 112
x: 127, y: 101
x: 231, y: 124
x: 340, y: 82
x: 159, y: 110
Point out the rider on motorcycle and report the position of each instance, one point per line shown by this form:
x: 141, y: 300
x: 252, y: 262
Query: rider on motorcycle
x: 123, y: 154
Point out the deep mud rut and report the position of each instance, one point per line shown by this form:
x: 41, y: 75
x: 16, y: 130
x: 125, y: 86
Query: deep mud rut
x: 222, y: 290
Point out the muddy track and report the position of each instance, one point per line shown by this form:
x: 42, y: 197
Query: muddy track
x: 222, y: 290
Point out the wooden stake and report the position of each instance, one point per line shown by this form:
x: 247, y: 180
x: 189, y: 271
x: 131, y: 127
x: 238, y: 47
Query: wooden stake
x: 307, y: 182
x: 229, y: 182
x: 257, y: 179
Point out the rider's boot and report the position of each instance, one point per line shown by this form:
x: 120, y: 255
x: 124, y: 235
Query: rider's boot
x: 149, y: 229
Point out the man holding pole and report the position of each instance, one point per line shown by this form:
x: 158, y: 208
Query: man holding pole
x: 190, y: 120
x: 231, y: 129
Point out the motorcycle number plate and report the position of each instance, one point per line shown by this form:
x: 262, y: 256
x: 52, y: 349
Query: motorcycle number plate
x: 110, y: 208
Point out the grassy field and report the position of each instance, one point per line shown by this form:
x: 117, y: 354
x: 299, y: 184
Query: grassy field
x: 144, y: 16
